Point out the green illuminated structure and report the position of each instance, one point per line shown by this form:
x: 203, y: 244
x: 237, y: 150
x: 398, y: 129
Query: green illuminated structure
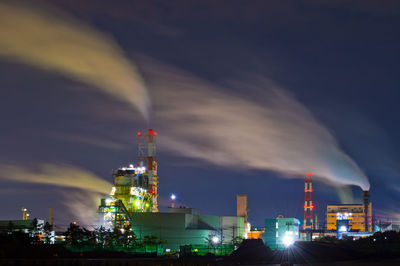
x: 188, y: 227
x: 282, y: 232
x: 128, y: 195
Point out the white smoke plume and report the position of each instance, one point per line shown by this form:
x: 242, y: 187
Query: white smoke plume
x: 82, y: 207
x: 57, y: 175
x: 56, y: 42
x: 275, y: 132
x: 81, y: 203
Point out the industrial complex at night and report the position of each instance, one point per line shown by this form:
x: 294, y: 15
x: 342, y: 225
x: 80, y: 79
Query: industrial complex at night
x: 132, y: 205
x: 199, y: 132
x: 131, y: 210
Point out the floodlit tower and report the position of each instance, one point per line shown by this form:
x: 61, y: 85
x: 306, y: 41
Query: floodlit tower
x: 308, y: 205
x: 146, y: 154
x: 173, y: 197
x: 25, y: 214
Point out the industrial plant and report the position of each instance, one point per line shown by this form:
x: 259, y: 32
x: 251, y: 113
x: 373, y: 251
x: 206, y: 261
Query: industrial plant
x: 135, y: 187
x: 132, y: 205
x: 132, y: 208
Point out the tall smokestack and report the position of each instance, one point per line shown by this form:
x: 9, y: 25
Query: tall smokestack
x: 50, y: 215
x: 366, y: 205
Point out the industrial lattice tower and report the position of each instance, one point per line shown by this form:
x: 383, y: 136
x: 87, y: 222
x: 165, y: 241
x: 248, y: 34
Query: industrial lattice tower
x: 308, y: 205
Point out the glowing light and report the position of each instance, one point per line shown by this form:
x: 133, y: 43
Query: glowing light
x: 287, y: 240
x: 215, y: 239
x: 139, y: 133
x: 113, y: 189
x: 173, y: 197
x: 343, y: 216
x: 343, y: 228
x: 108, y: 201
x: 137, y: 203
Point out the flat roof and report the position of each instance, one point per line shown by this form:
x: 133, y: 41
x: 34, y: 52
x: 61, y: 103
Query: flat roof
x: 360, y: 204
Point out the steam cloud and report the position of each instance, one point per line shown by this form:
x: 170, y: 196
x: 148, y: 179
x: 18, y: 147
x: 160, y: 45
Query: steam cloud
x: 82, y: 207
x: 273, y: 132
x: 57, y: 175
x: 66, y: 46
x: 81, y: 203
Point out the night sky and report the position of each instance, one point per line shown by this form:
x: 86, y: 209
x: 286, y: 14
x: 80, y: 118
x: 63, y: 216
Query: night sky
x: 309, y: 84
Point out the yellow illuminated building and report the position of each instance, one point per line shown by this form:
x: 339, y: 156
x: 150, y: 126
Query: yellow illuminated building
x: 352, y: 212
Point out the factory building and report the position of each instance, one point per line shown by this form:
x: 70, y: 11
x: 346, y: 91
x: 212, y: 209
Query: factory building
x: 348, y: 218
x: 281, y: 232
x: 24, y: 225
x: 134, y: 189
x: 186, y: 226
x: 132, y: 205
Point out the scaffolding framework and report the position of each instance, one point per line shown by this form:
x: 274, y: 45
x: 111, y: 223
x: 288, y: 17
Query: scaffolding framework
x: 114, y: 214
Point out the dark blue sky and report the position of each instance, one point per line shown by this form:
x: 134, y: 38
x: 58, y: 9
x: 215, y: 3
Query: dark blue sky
x: 338, y: 58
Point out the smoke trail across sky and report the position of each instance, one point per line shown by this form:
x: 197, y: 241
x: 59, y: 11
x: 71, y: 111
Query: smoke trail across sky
x: 57, y: 42
x: 80, y: 202
x: 274, y: 131
x: 57, y: 175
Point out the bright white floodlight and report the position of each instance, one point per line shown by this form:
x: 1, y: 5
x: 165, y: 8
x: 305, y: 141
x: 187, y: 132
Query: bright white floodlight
x: 215, y: 239
x: 288, y: 240
x: 173, y: 197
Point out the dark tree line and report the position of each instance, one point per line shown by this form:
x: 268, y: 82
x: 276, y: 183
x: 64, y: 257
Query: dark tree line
x: 77, y: 236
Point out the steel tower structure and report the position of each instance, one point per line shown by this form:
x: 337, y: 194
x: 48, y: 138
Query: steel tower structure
x: 308, y: 205
x: 146, y: 155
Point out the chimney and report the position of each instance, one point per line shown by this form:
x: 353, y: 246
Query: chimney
x: 50, y: 215
x: 366, y: 205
